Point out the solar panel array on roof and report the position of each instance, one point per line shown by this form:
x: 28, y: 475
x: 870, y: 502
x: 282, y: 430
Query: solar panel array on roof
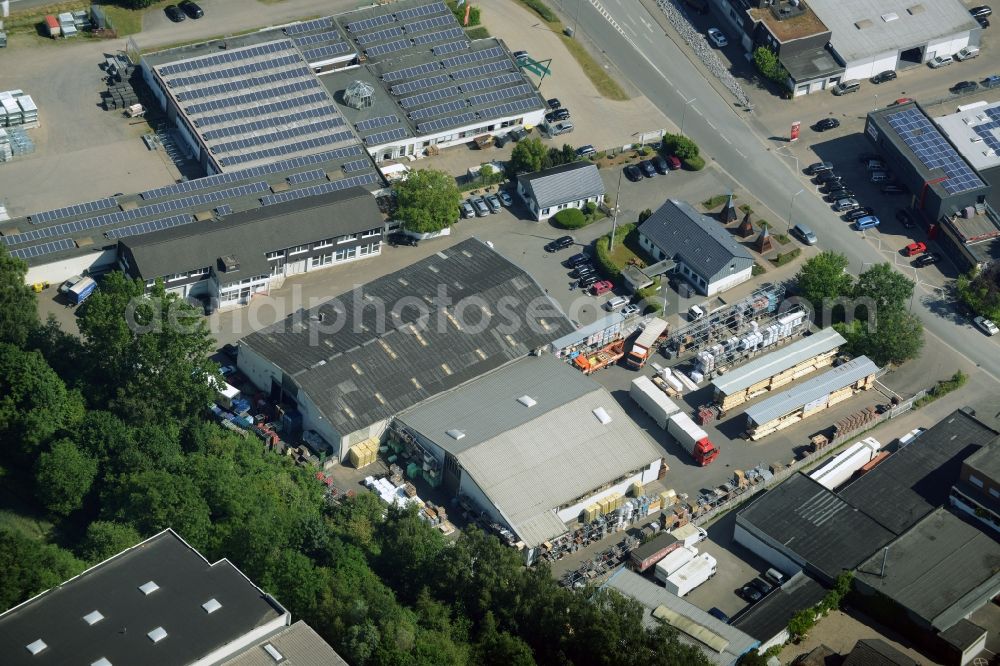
x: 44, y: 248
x: 223, y: 58
x: 380, y: 36
x: 988, y: 131
x: 153, y: 225
x: 72, y: 211
x: 312, y: 55
x: 492, y: 82
x: 933, y: 150
x: 263, y: 110
x: 451, y: 47
x: 261, y: 125
x: 502, y: 94
x: 385, y: 137
x: 318, y: 38
x: 243, y: 84
x: 251, y: 97
x: 306, y: 176
x: 375, y: 123
x: 450, y: 121
x: 370, y: 24
x: 419, y: 84
x: 428, y: 24
x: 509, y: 108
x: 309, y: 26
x: 286, y: 148
x: 429, y: 96
x: 439, y: 109
x: 324, y: 188
x: 390, y: 47
x: 474, y: 56
x: 356, y: 165
x: 421, y: 10
x: 273, y: 137
x: 439, y: 36
x: 242, y: 70
x: 223, y: 209
x: 482, y: 70
x: 410, y: 72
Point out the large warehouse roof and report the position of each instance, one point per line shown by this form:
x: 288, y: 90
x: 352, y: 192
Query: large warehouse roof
x: 298, y: 644
x: 535, y: 435
x: 160, y: 583
x: 782, y: 359
x: 941, y: 570
x: 386, y: 359
x: 813, y: 389
x: 814, y: 523
x: 862, y: 29
x: 914, y: 480
x: 721, y: 643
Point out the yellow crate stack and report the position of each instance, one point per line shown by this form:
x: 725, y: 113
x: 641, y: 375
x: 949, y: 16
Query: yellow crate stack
x: 363, y: 454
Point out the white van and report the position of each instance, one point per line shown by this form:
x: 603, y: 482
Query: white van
x: 616, y: 303
x: 695, y: 313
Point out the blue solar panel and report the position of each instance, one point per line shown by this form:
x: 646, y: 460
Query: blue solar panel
x: 380, y: 36
x: 72, y: 211
x: 492, y: 82
x: 273, y: 137
x: 482, y: 70
x: 43, y: 248
x: 357, y: 165
x: 988, y: 131
x: 510, y: 108
x: 474, y: 56
x: 306, y: 177
x: 252, y: 97
x: 224, y: 209
x: 262, y: 110
x: 312, y: 55
x: 450, y: 121
x: 410, y: 72
x: 233, y: 72
x: 439, y: 109
x: 242, y: 84
x: 375, y: 123
x: 271, y: 123
x: 429, y: 96
x: 222, y: 58
x: 286, y: 148
x: 451, y: 47
x: 385, y: 137
x: 502, y: 94
x: 391, y: 47
x: 324, y: 188
x: 933, y: 150
x: 371, y: 23
x: 148, y: 227
x: 319, y: 38
x: 308, y: 26
x: 428, y: 24
x: 439, y: 36
x: 421, y: 10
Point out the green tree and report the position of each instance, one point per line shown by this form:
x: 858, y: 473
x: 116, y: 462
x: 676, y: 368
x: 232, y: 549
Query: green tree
x: 145, y: 345
x: 824, y: 277
x: 105, y: 538
x: 570, y: 218
x: 887, y: 288
x: 428, y: 200
x: 17, y: 301
x: 681, y: 146
x: 801, y: 623
x: 154, y: 500
x: 767, y: 64
x: 896, y: 336
x: 645, y: 215
x: 499, y: 648
x: 28, y: 567
x: 486, y: 174
x: 34, y: 402
x: 569, y: 154
x: 528, y: 156
x: 63, y: 476
x: 980, y: 290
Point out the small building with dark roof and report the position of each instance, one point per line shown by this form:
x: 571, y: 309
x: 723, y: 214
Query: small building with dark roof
x: 965, y: 640
x: 349, y: 365
x: 977, y: 491
x: 876, y: 652
x: 244, y: 253
x: 159, y: 602
x: 572, y: 185
x: 706, y: 254
x: 767, y: 620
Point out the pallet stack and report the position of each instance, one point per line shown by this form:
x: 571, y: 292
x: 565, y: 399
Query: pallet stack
x: 120, y: 76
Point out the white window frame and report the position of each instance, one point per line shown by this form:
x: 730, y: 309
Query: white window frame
x: 328, y: 242
x: 371, y: 233
x: 277, y: 254
x: 347, y: 239
x: 298, y: 249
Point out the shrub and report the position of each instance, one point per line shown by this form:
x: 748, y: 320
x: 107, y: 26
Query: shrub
x: 571, y: 218
x: 590, y: 208
x: 644, y: 151
x: 768, y: 65
x: 757, y: 269
x: 717, y: 200
x: 745, y: 208
x: 680, y: 145
x: 603, y: 252
x: 696, y: 163
x: 645, y: 215
x: 541, y: 9
x: 459, y: 12
x: 477, y: 33
x: 785, y: 257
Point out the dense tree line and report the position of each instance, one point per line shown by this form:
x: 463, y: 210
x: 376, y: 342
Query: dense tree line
x: 107, y: 437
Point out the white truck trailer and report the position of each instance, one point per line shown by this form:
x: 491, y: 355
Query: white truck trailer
x: 652, y: 400
x: 674, y: 560
x: 689, y: 534
x: 691, y: 575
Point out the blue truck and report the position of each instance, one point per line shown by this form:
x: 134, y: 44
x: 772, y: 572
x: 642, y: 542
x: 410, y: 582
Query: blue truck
x: 80, y: 291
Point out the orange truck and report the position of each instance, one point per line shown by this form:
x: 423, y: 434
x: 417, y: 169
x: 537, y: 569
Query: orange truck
x: 602, y: 358
x: 645, y: 344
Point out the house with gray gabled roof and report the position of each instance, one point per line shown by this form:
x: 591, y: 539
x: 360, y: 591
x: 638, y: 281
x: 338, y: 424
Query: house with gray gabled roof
x: 706, y: 254
x: 572, y: 185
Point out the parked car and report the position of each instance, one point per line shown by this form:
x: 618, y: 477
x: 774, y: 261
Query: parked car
x: 662, y: 166
x: 986, y: 326
x: 913, y: 249
x: 826, y: 124
x: 967, y: 53
x: 927, y: 259
x: 832, y: 186
x: 718, y: 614
x: 901, y: 100
x: 589, y: 281
x: 557, y: 115
x: 880, y: 177
x: 982, y: 10
x: 982, y: 21
x: 717, y: 38
x: 867, y: 222
x: 583, y: 271
x: 893, y: 189
x: 846, y: 204
x: 482, y: 210
x: 399, y: 238
x: 804, y: 233
x: 940, y: 61
x: 859, y: 213
x: 505, y: 198
x: 601, y: 287
x: 584, y: 151
x: 616, y: 303
x: 964, y: 87
x: 839, y: 194
x: 865, y: 158
x: 876, y: 165
x: 846, y: 87
x: 553, y: 103
x: 774, y: 576
x: 762, y: 585
x: 494, y: 203
x: 561, y: 128
x: 819, y: 167
x: 577, y: 259
x: 191, y: 8
x: 826, y: 176
x: 519, y: 55
x: 632, y: 173
x: 467, y: 210
x: 174, y: 13
x: 630, y: 309
x: 904, y: 218
x: 674, y: 162
x: 560, y: 243
x: 648, y: 170
x: 751, y: 593
x: 883, y: 77
x: 991, y: 81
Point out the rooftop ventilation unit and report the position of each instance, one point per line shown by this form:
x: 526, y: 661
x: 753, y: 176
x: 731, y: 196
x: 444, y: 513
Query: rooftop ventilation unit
x: 35, y: 647
x: 103, y: 661
x: 915, y: 9
x: 93, y: 617
x: 891, y: 16
x: 211, y: 606
x: 602, y: 416
x: 456, y: 434
x: 149, y: 588
x: 527, y: 401
x: 273, y: 651
x: 862, y: 24
x: 157, y: 635
x: 229, y: 263
x: 359, y: 95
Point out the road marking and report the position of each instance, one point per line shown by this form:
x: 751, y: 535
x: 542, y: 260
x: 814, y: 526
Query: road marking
x: 709, y: 123
x: 726, y: 139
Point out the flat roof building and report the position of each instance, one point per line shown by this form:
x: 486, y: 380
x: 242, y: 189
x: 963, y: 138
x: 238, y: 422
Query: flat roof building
x: 532, y: 443
x: 159, y: 602
x: 350, y: 364
x: 767, y: 620
x: 977, y: 491
x: 297, y: 644
x: 975, y: 133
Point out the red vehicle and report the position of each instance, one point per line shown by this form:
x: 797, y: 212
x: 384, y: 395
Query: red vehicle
x: 901, y: 100
x: 602, y: 287
x: 674, y: 162
x: 914, y: 249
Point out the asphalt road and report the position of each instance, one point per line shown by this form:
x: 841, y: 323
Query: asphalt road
x: 632, y: 40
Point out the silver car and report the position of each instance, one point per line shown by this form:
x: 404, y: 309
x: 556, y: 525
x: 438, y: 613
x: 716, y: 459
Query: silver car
x: 493, y: 203
x: 482, y: 210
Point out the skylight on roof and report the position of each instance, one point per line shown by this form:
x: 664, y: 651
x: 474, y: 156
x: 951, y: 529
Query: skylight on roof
x: 456, y: 434
x: 273, y: 651
x: 891, y: 16
x: 35, y: 647
x: 602, y: 416
x: 93, y: 617
x: 103, y: 661
x: 149, y: 588
x: 157, y: 635
x: 527, y: 401
x: 211, y: 606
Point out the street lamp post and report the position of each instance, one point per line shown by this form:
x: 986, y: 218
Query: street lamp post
x: 684, y: 111
x: 614, y: 217
x: 875, y: 108
x: 788, y: 222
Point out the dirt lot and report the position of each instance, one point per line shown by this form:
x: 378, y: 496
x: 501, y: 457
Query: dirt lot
x: 840, y: 631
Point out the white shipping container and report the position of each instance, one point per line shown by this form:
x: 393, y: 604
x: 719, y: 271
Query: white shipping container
x: 652, y: 400
x: 691, y: 575
x: 839, y: 469
x: 674, y: 560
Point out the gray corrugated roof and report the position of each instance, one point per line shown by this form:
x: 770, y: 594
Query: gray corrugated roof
x: 914, y: 480
x: 650, y: 596
x: 703, y: 244
x: 802, y: 517
x: 251, y: 234
x: 986, y: 461
x: 813, y: 389
x: 934, y: 19
x: 568, y: 182
x: 940, y: 570
x: 490, y: 404
x: 770, y: 617
x: 299, y: 644
x: 363, y: 372
x: 777, y: 361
